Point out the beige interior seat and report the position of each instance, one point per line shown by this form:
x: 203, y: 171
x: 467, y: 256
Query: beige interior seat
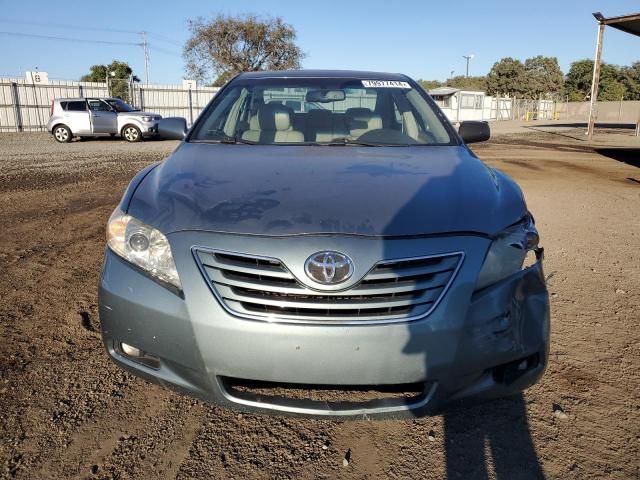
x: 272, y: 124
x: 362, y: 120
x: 324, y: 126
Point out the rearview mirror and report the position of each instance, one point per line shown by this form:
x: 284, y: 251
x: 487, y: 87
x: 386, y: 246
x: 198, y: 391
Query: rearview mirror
x: 474, y: 131
x: 172, y: 128
x: 325, y: 96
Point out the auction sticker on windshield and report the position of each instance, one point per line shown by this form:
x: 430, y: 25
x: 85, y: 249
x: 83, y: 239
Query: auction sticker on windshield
x: 384, y: 84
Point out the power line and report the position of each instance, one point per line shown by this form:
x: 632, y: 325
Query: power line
x: 162, y: 38
x: 65, y: 25
x: 146, y: 46
x: 68, y: 39
x: 157, y: 36
x: 164, y: 50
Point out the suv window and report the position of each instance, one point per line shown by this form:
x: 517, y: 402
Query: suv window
x: 74, y: 106
x: 99, y: 106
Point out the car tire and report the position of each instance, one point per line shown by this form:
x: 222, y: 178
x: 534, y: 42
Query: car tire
x: 62, y: 134
x: 131, y: 133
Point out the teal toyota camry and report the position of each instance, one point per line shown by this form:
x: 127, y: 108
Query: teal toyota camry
x: 324, y: 243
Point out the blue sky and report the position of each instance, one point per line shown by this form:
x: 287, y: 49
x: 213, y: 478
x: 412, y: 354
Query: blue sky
x: 423, y: 39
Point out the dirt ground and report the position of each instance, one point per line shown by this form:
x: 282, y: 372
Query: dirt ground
x: 68, y: 412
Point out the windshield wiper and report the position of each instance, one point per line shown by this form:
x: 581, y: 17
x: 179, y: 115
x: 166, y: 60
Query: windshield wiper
x: 343, y: 141
x: 226, y: 139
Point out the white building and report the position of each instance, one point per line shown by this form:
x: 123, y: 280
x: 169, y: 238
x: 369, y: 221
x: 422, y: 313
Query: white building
x: 459, y: 105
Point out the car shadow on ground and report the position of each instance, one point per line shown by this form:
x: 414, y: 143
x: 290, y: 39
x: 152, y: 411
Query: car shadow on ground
x: 482, y: 438
x: 490, y: 440
x: 630, y: 156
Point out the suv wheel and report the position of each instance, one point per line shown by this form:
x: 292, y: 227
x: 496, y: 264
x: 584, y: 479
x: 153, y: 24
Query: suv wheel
x: 62, y: 134
x: 131, y: 133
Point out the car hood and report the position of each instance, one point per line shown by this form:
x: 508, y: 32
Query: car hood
x: 289, y: 190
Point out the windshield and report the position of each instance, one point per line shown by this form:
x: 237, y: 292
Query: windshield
x: 322, y: 111
x: 119, y: 106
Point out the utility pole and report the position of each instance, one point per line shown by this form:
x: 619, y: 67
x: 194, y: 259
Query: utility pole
x: 596, y: 75
x: 468, y: 57
x: 145, y: 47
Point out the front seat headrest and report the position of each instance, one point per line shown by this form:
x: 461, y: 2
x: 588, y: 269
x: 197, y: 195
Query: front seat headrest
x: 362, y: 119
x: 274, y: 116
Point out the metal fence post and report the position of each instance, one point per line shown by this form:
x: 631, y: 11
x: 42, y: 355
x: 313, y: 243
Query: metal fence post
x: 190, y: 107
x: 16, y: 106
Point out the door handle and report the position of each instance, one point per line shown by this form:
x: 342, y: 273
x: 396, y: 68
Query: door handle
x: 96, y: 116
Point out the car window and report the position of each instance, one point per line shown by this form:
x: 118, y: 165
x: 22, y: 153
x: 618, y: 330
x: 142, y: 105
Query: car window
x: 79, y: 106
x: 320, y: 111
x: 120, y: 106
x: 98, y: 106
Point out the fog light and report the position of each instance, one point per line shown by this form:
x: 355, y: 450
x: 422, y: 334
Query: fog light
x: 131, y: 351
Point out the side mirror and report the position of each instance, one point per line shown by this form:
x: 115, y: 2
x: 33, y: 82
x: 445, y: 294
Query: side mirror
x: 172, y: 128
x: 474, y: 131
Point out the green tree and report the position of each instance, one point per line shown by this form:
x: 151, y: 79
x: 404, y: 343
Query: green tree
x: 118, y: 73
x: 577, y: 84
x: 468, y: 83
x: 507, y: 77
x: 614, y: 81
x: 543, y: 77
x: 630, y: 78
x: 227, y: 45
x: 460, y: 81
x: 430, y: 84
x: 612, y: 91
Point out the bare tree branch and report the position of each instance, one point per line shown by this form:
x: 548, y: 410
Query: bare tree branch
x: 226, y: 45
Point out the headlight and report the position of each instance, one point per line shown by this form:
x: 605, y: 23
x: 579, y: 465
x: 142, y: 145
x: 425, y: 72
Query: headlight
x: 509, y: 253
x: 142, y: 245
x: 147, y: 119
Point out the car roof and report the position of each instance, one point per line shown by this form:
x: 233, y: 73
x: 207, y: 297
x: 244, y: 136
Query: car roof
x: 82, y: 99
x: 355, y: 74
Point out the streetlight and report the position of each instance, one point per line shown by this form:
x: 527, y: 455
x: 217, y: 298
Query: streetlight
x: 468, y: 57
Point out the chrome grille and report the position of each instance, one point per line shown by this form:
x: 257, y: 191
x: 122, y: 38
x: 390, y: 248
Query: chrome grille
x: 264, y: 288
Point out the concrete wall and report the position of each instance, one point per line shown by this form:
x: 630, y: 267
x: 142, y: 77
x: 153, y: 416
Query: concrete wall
x: 627, y: 111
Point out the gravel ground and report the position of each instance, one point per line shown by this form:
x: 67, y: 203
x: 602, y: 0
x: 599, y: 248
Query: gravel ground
x: 67, y: 412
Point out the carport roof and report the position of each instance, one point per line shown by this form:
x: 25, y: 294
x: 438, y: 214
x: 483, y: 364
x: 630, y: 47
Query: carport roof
x: 443, y: 91
x: 626, y: 23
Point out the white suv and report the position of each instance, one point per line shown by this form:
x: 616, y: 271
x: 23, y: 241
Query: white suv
x: 79, y: 117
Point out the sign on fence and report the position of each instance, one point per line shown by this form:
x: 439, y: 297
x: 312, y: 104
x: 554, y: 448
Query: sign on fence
x: 189, y: 84
x: 40, y: 78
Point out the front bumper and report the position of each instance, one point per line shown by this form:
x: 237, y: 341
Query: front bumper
x: 485, y: 344
x: 149, y: 129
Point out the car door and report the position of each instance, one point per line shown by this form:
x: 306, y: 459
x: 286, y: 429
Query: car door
x: 103, y: 118
x: 76, y: 116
